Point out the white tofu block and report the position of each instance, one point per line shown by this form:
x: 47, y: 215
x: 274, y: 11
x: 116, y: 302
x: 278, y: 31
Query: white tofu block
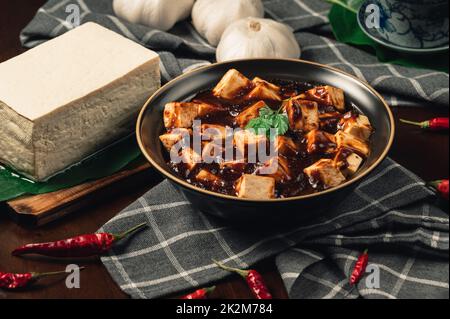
x: 303, y: 115
x: 255, y: 187
x: 328, y: 95
x: 67, y: 98
x: 325, y: 173
x: 250, y: 113
x: 264, y: 90
x: 231, y: 85
x: 170, y: 139
x: 180, y: 114
x: 348, y: 141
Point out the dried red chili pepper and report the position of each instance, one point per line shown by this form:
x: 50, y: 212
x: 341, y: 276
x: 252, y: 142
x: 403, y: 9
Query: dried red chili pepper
x: 442, y: 188
x: 436, y: 124
x: 360, y: 268
x: 200, y: 294
x: 254, y: 280
x: 80, y: 246
x: 15, y: 281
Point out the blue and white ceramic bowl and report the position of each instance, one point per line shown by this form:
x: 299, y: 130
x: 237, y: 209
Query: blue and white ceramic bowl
x: 409, y: 24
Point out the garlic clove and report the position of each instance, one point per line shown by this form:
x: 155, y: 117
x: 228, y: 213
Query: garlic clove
x: 257, y: 38
x: 211, y: 17
x: 127, y: 10
x: 158, y: 14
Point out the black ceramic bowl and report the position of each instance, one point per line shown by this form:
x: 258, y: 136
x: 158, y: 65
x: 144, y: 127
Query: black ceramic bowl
x: 150, y: 126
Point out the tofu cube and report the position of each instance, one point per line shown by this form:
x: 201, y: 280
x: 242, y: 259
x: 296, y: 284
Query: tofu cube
x: 324, y: 173
x: 328, y: 95
x: 247, y: 142
x: 310, y: 115
x: 277, y: 168
x: 250, y: 113
x: 206, y: 110
x: 170, y: 139
x: 273, y: 87
x: 363, y: 120
x: 180, y: 115
x: 255, y: 187
x: 320, y: 142
x: 286, y: 146
x: 264, y: 90
x: 357, y: 125
x: 207, y: 177
x: 190, y: 158
x: 354, y: 162
x: 303, y: 115
x: 294, y: 114
x: 235, y: 166
x: 212, y: 152
x: 213, y: 132
x: 348, y: 162
x: 345, y: 140
x: 231, y: 85
x: 330, y: 115
x: 330, y: 121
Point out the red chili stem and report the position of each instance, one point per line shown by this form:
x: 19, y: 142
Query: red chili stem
x: 37, y: 275
x: 129, y: 232
x: 200, y: 294
x: 422, y: 125
x: 241, y: 272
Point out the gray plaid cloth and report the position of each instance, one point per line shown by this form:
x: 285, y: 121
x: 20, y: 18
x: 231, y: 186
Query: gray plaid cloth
x: 391, y: 212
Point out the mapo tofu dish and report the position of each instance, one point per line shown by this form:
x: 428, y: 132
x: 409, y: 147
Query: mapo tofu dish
x: 266, y: 138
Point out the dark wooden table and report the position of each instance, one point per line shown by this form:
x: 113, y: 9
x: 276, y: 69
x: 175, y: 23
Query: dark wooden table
x: 426, y: 154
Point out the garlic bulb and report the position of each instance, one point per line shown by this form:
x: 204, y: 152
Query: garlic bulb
x: 257, y: 38
x: 159, y: 14
x: 212, y: 17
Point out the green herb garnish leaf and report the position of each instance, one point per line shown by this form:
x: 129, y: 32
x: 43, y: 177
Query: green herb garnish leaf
x: 269, y: 119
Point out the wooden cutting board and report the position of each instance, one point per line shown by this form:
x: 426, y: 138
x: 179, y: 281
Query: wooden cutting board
x: 38, y: 210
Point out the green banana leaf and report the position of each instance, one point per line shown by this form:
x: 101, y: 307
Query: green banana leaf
x: 343, y: 19
x: 122, y: 154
